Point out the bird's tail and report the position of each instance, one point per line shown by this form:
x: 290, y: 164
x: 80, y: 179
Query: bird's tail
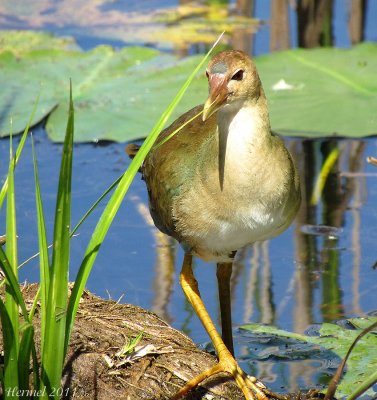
x: 132, y: 149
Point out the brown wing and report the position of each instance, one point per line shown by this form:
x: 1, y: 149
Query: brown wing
x: 168, y: 170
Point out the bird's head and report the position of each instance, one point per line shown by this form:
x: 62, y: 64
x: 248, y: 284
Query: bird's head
x: 232, y: 79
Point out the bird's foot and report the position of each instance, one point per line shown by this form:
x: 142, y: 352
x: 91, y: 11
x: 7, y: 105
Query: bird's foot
x: 251, y: 387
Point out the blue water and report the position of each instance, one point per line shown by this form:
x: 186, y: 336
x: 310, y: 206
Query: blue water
x: 271, y: 284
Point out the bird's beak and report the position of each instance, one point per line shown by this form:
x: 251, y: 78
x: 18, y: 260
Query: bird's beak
x: 218, y: 93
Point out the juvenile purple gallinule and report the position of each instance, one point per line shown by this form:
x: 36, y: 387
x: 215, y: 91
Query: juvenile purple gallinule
x: 219, y: 184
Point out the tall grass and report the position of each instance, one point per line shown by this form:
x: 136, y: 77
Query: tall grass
x: 58, y: 311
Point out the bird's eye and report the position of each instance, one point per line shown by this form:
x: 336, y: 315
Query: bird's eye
x: 238, y: 76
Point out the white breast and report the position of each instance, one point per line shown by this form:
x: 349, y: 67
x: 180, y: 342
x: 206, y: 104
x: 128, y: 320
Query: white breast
x: 240, y: 216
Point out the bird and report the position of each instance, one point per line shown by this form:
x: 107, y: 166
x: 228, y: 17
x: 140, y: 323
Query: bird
x: 224, y: 181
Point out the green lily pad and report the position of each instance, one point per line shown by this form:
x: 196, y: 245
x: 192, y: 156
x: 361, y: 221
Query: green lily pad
x: 118, y: 95
x: 336, y: 338
x: 328, y: 92
x: 125, y: 106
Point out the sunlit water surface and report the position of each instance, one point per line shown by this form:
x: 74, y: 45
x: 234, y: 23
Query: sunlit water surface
x: 307, y: 275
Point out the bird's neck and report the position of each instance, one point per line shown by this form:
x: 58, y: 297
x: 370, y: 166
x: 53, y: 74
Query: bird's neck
x: 247, y: 124
x: 244, y: 133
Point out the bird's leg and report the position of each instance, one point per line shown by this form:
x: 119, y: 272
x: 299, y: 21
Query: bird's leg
x: 250, y: 386
x: 224, y: 272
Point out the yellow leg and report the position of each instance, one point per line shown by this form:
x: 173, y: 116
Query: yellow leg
x: 250, y: 386
x: 224, y: 272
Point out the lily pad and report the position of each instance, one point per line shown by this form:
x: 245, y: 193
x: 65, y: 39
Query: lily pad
x: 336, y: 338
x: 331, y: 91
x: 126, y: 106
x: 118, y: 95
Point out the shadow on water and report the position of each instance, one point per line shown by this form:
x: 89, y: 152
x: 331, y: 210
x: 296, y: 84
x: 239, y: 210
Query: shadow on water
x: 320, y: 269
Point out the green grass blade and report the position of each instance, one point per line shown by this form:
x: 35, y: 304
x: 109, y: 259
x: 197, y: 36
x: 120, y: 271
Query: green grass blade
x: 53, y: 351
x: 35, y: 303
x: 26, y: 346
x: 11, y: 305
x: 10, y: 343
x: 115, y: 201
x: 12, y: 283
x: 20, y: 147
x: 44, y: 266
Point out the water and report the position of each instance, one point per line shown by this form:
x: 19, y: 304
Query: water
x: 321, y: 269
x: 307, y: 275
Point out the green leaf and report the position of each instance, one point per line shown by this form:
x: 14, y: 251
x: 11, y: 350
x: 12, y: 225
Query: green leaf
x: 324, y: 91
x: 11, y: 353
x: 127, y: 100
x: 107, y: 83
x: 12, y: 282
x: 362, y: 362
x: 26, y: 346
x: 55, y: 332
x: 333, y: 91
x: 44, y: 266
x: 10, y: 340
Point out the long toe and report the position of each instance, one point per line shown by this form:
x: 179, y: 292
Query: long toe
x: 251, y: 387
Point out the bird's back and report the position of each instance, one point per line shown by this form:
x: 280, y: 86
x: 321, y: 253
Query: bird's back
x: 169, y: 170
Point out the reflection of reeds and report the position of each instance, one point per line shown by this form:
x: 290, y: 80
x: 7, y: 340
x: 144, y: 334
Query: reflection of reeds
x: 337, y: 194
x: 251, y: 285
x: 306, y: 245
x: 164, y: 264
x: 314, y: 256
x: 267, y: 306
x: 258, y: 287
x: 356, y: 248
x: 279, y: 26
x: 359, y: 198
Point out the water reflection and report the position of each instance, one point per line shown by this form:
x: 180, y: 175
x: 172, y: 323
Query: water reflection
x: 164, y: 268
x: 187, y: 27
x: 300, y: 23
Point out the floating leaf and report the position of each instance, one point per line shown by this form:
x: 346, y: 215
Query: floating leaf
x: 126, y: 106
x: 119, y: 94
x: 337, y: 339
x: 334, y: 91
